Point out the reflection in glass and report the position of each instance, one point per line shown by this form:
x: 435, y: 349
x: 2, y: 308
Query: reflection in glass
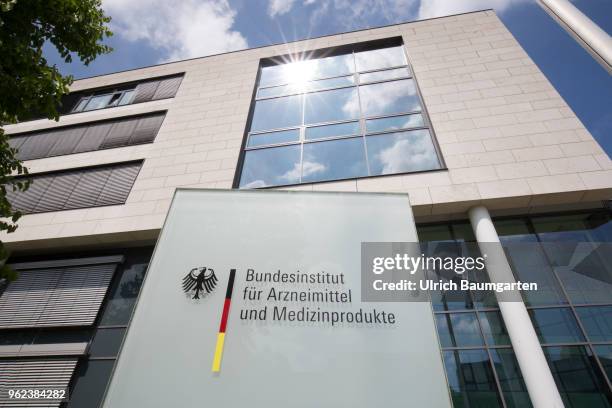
x: 283, y: 136
x: 106, y: 342
x: 328, y: 106
x: 458, y: 330
x: 381, y: 58
x: 334, y: 159
x: 126, y: 98
x: 299, y: 72
x: 394, y: 123
x: 494, y: 329
x: 62, y: 336
x: 90, y: 379
x: 585, y: 270
x: 384, y: 75
x: 340, y: 129
x: 305, y: 87
x: 328, y: 98
x: 530, y: 264
x: 269, y: 167
x: 81, y: 105
x: 401, y: 152
x: 438, y: 242
x: 387, y: 98
x: 597, y: 322
x: 329, y: 83
x: 605, y: 358
x: 583, y: 265
x: 98, y: 102
x: 579, y: 381
x: 277, y: 113
x: 510, y: 378
x: 332, y: 66
x: 278, y: 91
x: 273, y: 75
x: 471, y: 379
x: 556, y: 325
x: 583, y: 227
x: 122, y: 297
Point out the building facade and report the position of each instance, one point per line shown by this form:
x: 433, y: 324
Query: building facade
x: 451, y: 111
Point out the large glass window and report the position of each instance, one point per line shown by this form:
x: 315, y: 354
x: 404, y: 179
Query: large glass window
x: 367, y: 97
x: 571, y: 312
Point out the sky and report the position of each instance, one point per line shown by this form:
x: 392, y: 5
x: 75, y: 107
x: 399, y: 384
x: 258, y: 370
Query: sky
x: 148, y: 32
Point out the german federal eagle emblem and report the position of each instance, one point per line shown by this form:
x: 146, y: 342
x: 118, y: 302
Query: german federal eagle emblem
x: 199, y: 280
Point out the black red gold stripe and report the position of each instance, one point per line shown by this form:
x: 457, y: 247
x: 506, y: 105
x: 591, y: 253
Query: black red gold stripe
x: 216, y: 365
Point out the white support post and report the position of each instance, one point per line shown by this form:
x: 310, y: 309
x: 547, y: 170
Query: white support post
x: 595, y: 40
x: 536, y: 372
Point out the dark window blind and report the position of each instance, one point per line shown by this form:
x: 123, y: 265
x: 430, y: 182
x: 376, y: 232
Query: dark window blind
x: 78, y: 188
x: 108, y: 134
x: 34, y: 374
x: 51, y: 294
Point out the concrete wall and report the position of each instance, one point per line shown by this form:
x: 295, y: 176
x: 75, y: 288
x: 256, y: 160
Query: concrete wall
x: 508, y: 138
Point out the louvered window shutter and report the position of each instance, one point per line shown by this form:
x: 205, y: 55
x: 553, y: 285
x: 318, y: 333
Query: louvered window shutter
x: 25, y: 201
x: 144, y: 91
x: 87, y: 191
x: 67, y: 140
x: 78, y: 188
x: 57, y: 293
x: 38, y: 145
x: 167, y: 88
x: 119, y: 184
x: 16, y: 141
x: 119, y: 134
x: 32, y: 374
x: 94, y: 137
x: 147, y: 129
x: 57, y: 193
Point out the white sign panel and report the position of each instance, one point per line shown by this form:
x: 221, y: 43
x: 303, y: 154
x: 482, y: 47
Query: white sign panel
x: 253, y: 299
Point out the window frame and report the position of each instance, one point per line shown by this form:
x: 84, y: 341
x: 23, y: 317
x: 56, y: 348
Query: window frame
x: 121, y: 89
x: 335, y: 51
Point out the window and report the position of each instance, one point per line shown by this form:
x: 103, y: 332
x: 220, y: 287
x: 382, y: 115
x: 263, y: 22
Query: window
x: 125, y: 131
x: 571, y: 312
x: 43, y: 284
x: 356, y: 114
x: 480, y: 364
x: 79, y: 357
x: 122, y: 94
x: 78, y: 188
x: 93, y: 371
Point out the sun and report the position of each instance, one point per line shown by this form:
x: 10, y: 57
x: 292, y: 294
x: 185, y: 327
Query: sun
x: 297, y: 74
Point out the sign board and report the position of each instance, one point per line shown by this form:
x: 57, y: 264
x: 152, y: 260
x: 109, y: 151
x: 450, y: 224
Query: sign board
x: 253, y: 298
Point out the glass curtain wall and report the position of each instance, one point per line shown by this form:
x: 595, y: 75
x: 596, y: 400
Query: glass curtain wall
x: 571, y: 312
x: 481, y: 367
x: 337, y: 117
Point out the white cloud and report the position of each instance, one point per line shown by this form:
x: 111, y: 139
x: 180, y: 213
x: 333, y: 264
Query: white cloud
x: 354, y: 14
x: 438, y: 8
x: 184, y: 29
x: 308, y: 168
x: 279, y: 7
x: 416, y: 153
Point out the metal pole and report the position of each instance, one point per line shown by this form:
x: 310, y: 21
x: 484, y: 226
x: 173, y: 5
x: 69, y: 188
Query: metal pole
x: 536, y: 372
x: 595, y: 40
